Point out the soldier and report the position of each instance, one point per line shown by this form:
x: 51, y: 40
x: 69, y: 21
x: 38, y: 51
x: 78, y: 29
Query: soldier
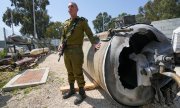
x: 74, y: 29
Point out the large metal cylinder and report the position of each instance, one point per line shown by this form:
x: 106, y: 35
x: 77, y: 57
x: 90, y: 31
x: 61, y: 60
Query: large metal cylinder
x: 117, y: 66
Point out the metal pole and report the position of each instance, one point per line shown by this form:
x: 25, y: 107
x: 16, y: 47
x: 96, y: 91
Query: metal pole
x: 103, y: 21
x: 12, y: 23
x: 34, y: 21
x: 5, y: 39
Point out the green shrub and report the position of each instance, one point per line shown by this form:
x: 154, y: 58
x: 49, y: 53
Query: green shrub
x: 3, y: 53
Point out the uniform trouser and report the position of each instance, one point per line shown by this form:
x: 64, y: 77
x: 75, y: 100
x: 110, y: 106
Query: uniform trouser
x: 73, y: 58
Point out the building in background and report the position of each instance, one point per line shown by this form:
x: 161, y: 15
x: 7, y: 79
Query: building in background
x: 2, y: 45
x: 167, y: 26
x: 55, y: 42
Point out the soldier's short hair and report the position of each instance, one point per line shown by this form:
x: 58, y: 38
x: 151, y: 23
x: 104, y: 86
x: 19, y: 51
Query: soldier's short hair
x: 74, y: 4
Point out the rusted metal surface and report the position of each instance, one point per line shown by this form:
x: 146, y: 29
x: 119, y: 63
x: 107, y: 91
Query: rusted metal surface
x: 5, y: 61
x: 24, y: 61
x: 125, y: 62
x: 5, y: 67
x: 30, y: 76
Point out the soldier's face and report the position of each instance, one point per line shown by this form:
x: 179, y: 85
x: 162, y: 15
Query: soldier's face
x: 72, y: 9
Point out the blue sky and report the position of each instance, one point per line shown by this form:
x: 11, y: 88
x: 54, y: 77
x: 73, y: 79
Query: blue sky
x: 87, y: 8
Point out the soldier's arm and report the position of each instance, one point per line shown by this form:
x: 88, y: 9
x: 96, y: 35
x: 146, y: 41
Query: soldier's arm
x: 89, y: 33
x: 61, y: 38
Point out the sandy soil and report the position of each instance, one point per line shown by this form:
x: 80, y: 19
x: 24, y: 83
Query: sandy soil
x: 49, y: 95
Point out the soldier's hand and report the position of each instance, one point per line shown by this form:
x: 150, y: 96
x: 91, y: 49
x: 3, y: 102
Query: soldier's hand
x: 97, y: 46
x: 59, y: 48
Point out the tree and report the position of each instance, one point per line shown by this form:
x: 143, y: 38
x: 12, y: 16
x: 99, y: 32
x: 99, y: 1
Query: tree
x: 102, y: 22
x: 140, y: 17
x: 169, y: 9
x: 23, y: 15
x: 123, y: 14
x: 54, y: 30
x: 155, y: 10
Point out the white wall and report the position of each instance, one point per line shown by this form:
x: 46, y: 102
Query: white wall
x: 167, y: 26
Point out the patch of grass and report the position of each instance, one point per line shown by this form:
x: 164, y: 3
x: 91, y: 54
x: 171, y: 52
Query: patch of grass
x: 5, y: 77
x: 36, y: 87
x: 3, y: 53
x: 2, y: 83
x: 15, y: 91
x: 28, y: 90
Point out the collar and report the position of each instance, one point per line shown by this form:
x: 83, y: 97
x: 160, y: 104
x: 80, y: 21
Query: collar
x: 74, y: 18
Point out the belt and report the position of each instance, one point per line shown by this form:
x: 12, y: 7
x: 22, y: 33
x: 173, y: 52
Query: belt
x: 74, y: 46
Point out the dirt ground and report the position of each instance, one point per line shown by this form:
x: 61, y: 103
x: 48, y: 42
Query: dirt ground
x: 49, y: 95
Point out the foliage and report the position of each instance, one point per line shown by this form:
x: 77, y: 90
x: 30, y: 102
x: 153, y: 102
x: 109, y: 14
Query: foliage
x: 54, y: 30
x: 141, y: 19
x: 123, y: 14
x: 23, y: 15
x: 155, y: 10
x: 3, y: 53
x: 102, y: 22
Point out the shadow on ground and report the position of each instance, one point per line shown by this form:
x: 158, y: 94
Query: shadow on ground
x: 4, y: 99
x: 104, y: 103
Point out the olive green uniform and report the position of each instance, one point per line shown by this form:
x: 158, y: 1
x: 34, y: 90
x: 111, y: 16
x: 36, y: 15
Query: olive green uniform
x: 73, y: 54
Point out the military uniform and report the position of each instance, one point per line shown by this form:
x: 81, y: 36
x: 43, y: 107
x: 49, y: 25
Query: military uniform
x: 73, y: 54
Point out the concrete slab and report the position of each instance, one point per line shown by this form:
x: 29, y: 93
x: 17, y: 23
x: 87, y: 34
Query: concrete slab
x: 27, y: 78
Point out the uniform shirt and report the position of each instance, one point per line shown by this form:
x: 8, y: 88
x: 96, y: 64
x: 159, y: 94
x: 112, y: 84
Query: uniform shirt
x: 77, y: 36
